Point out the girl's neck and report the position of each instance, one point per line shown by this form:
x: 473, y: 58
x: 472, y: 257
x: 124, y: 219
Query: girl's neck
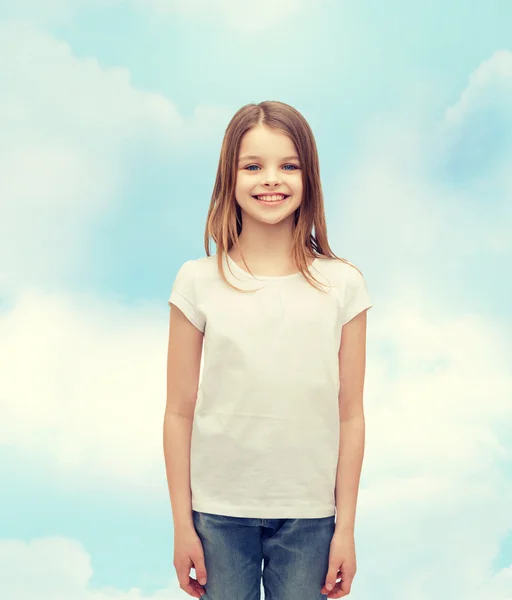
x: 272, y: 261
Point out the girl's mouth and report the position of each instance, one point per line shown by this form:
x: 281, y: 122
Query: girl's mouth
x: 270, y: 201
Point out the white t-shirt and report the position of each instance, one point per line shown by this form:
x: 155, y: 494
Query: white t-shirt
x: 265, y: 436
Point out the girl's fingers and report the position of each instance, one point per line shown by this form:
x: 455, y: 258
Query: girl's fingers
x: 197, y: 587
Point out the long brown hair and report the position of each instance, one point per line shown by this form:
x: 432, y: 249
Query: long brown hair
x: 224, y: 220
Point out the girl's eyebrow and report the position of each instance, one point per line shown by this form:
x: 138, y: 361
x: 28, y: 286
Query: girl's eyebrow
x: 258, y: 157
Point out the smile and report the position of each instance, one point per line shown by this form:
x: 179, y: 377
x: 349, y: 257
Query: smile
x: 277, y: 199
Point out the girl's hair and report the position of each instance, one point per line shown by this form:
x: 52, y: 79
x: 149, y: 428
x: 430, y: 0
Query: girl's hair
x: 224, y: 220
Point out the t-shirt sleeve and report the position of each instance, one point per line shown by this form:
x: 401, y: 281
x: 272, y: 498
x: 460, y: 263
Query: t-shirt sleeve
x: 184, y: 295
x: 356, y: 298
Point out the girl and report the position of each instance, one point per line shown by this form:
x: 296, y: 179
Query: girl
x: 263, y: 440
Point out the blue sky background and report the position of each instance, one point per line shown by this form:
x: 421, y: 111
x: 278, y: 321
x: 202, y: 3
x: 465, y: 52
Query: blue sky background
x: 112, y: 115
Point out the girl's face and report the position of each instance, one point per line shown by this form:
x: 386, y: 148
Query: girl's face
x: 276, y: 170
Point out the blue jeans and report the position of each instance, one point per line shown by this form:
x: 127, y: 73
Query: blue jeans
x: 294, y: 553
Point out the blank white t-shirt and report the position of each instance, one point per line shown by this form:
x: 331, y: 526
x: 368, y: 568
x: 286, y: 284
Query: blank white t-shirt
x: 265, y: 436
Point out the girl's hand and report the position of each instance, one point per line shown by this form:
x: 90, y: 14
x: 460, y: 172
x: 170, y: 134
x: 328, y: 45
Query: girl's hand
x: 188, y: 554
x: 342, y: 565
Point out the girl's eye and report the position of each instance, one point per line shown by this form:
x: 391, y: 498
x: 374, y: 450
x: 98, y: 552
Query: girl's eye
x: 290, y: 165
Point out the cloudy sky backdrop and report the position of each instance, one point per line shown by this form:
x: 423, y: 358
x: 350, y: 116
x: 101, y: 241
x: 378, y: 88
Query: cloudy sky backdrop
x: 112, y: 114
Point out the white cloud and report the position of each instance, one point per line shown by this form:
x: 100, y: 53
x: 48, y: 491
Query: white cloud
x: 94, y: 401
x: 490, y: 84
x: 261, y: 17
x: 240, y: 18
x: 58, y: 568
x: 67, y: 127
x: 49, y: 12
x: 474, y: 141
x: 408, y: 215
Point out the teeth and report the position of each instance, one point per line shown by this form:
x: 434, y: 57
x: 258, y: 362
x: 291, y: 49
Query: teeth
x: 270, y: 198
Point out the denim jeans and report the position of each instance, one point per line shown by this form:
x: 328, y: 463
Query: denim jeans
x: 294, y: 553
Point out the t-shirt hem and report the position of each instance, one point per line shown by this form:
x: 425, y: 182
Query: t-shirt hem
x: 188, y: 310
x: 279, y: 512
x: 355, y: 311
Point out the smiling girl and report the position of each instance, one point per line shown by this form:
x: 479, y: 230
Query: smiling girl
x: 264, y: 445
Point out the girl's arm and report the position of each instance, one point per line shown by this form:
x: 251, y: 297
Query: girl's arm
x: 352, y: 362
x: 183, y: 363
